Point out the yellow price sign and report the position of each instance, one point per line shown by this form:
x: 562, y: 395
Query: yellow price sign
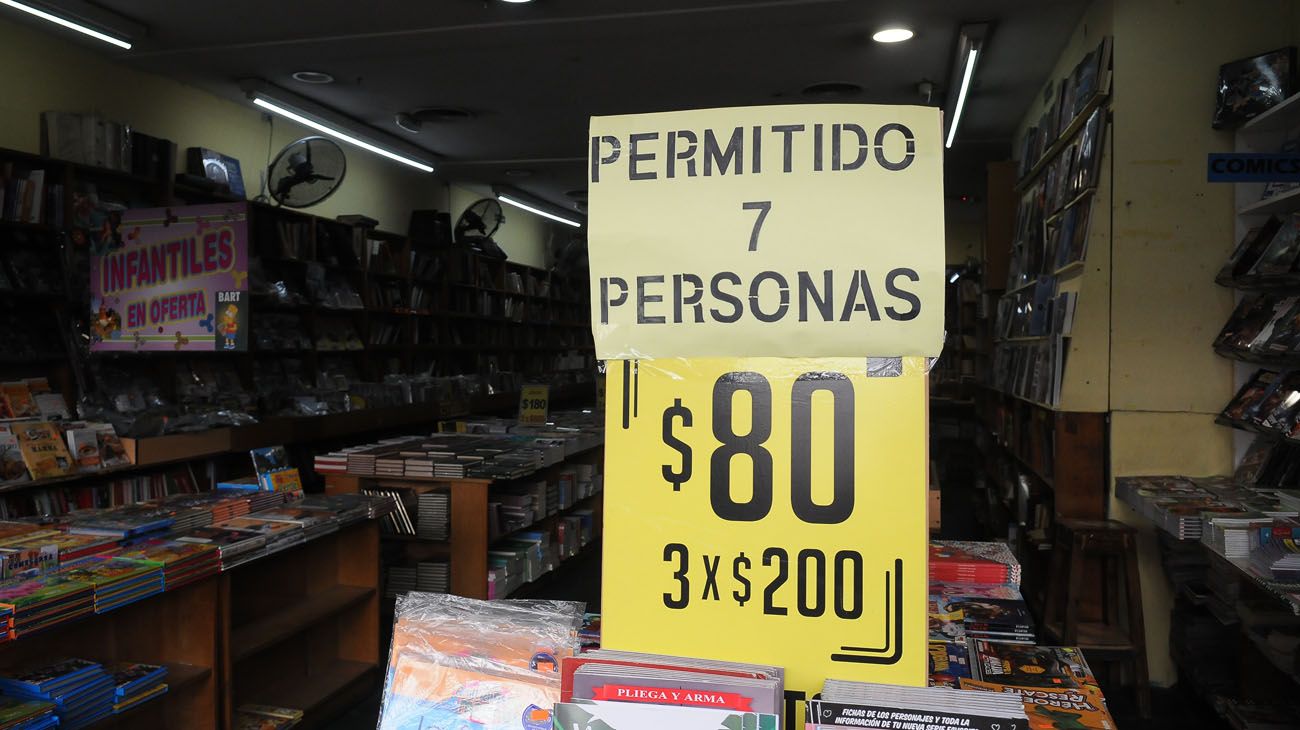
x: 762, y: 509
x: 534, y: 405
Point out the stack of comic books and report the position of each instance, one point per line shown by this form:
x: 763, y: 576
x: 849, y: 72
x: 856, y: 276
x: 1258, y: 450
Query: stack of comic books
x: 279, y: 534
x: 81, y: 691
x: 217, y: 505
x: 117, y: 581
x: 70, y: 546
x: 122, y: 523
x: 1054, y: 683
x: 20, y: 714
x: 183, y: 562
x: 861, y: 704
x: 135, y: 683
x: 980, y: 611
x: 236, y: 546
x: 314, y: 522
x: 973, y: 562
x: 43, y: 601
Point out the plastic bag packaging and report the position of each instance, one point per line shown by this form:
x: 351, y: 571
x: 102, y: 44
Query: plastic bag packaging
x: 490, y: 665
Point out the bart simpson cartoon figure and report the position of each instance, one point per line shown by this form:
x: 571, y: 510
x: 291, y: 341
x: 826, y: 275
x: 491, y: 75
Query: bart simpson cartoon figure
x: 228, y: 325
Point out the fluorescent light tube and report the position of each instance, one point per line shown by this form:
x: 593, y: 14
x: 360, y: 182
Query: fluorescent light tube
x: 961, y: 96
x: 67, y: 23
x: 337, y: 134
x: 511, y: 201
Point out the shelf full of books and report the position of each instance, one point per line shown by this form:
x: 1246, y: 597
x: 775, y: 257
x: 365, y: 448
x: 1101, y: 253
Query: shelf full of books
x: 485, y: 506
x: 1061, y: 172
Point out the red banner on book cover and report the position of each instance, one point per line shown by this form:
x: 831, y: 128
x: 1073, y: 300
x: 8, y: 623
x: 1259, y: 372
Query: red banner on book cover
x: 662, y: 696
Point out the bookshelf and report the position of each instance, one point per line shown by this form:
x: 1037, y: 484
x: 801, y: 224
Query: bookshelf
x: 303, y: 626
x: 299, y: 628
x: 466, y: 548
x: 412, y: 309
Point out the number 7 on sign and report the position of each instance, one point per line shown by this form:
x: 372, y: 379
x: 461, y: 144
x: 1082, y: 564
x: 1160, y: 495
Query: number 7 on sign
x: 763, y: 207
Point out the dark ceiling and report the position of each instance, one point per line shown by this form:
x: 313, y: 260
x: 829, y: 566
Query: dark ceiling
x: 533, y: 73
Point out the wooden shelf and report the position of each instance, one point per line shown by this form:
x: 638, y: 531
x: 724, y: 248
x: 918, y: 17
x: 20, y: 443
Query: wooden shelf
x: 1069, y: 269
x: 532, y: 587
x: 1078, y: 198
x: 266, y: 632
x: 328, y: 689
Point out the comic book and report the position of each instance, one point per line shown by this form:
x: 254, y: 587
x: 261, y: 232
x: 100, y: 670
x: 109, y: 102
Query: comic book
x: 1055, y: 709
x: 43, y: 449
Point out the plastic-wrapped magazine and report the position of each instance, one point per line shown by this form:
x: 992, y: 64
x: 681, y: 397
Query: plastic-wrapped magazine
x: 461, y: 663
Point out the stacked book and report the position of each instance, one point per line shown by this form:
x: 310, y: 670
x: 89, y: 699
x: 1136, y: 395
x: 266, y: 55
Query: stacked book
x: 417, y: 465
x: 1051, y: 680
x: 81, y: 691
x: 1233, y: 536
x: 397, y: 520
x: 6, y: 623
x: 335, y: 462
x: 959, y: 611
x: 117, y: 581
x: 68, y: 546
x: 265, y: 717
x: 20, y: 714
x: 1277, y: 559
x: 989, y: 563
x: 236, y: 546
x: 121, y: 523
x: 182, y: 562
x: 313, y: 522
x: 135, y: 683
x: 434, y: 515
x: 391, y: 465
x: 624, y: 689
x: 279, y: 534
x: 46, y: 600
x: 451, y: 467
x: 860, y: 704
x: 346, y: 509
x: 401, y: 579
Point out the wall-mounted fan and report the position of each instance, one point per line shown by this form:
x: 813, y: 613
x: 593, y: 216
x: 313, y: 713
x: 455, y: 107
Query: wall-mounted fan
x: 306, y: 172
x: 476, y: 225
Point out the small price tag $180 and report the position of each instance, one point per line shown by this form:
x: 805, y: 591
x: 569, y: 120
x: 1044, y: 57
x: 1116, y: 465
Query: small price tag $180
x: 769, y: 507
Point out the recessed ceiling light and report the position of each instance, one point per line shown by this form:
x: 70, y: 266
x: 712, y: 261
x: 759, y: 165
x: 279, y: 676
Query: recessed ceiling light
x: 435, y: 114
x: 516, y: 2
x: 892, y: 35
x: 313, y: 77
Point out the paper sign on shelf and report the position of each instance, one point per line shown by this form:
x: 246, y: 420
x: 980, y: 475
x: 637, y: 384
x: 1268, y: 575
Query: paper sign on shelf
x: 534, y: 405
x: 762, y: 510
x: 767, y: 231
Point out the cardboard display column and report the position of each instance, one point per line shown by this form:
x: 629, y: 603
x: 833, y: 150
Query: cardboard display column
x: 766, y: 285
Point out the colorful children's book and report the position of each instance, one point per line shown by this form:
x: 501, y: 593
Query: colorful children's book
x: 949, y: 663
x: 1022, y: 665
x: 130, y: 678
x: 49, y: 678
x: 12, y: 467
x: 83, y: 443
x: 112, y: 451
x: 43, y: 449
x: 18, y: 400
x: 21, y: 713
x: 1055, y: 709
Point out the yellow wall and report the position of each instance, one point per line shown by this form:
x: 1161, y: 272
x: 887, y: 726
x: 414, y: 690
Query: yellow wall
x: 44, y: 72
x: 1148, y: 302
